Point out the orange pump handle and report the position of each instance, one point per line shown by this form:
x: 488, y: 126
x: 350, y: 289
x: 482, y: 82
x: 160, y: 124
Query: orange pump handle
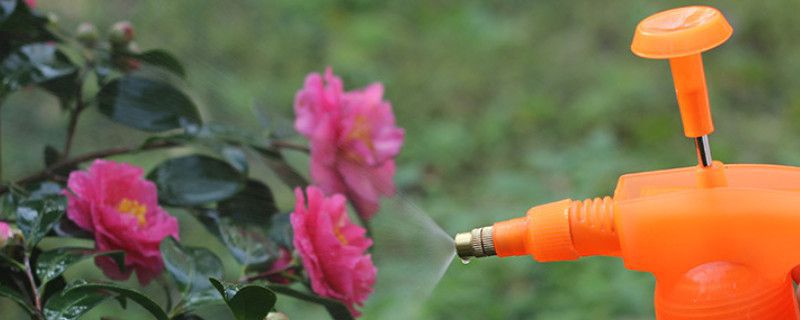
x: 681, y: 35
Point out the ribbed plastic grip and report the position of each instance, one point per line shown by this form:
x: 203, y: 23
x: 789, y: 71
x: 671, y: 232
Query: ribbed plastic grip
x: 550, y: 236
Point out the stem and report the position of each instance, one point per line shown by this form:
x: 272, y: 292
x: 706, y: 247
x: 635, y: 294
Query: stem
x: 73, y: 124
x: 36, y: 299
x: 2, y: 97
x: 289, y: 145
x: 73, y: 118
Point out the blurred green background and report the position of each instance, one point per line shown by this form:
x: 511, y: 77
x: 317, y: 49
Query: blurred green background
x: 506, y: 104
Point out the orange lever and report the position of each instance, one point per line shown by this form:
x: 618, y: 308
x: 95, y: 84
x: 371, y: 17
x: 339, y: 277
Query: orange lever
x: 681, y: 35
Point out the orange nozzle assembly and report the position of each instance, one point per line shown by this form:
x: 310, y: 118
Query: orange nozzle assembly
x: 719, y: 239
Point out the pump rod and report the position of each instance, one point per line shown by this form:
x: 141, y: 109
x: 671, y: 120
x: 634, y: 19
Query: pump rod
x: 703, y: 150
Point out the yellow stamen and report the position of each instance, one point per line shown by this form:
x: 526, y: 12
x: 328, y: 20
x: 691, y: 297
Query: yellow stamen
x: 134, y: 208
x: 361, y: 132
x: 337, y: 231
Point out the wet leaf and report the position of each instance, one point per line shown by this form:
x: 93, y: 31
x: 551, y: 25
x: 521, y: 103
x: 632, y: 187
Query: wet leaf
x: 254, y: 204
x: 246, y: 302
x: 147, y: 104
x: 51, y: 264
x: 190, y: 267
x: 249, y: 244
x: 42, y: 64
x: 280, y: 230
x: 195, y: 300
x: 19, y: 25
x: 79, y: 298
x: 195, y: 180
x: 35, y: 218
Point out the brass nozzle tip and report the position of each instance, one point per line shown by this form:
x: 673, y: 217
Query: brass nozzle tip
x: 477, y: 243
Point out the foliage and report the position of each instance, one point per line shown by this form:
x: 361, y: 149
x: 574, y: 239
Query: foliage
x: 508, y: 104
x: 143, y: 91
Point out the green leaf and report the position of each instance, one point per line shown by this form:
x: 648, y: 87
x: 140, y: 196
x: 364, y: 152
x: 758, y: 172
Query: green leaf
x: 199, y: 299
x: 254, y: 204
x: 336, y: 309
x: 147, y: 104
x: 8, y: 206
x: 162, y: 59
x: 190, y: 266
x: 242, y: 223
x: 195, y: 180
x: 35, y: 218
x: 276, y: 162
x: 53, y: 263
x: 280, y: 230
x: 81, y: 297
x: 44, y: 190
x: 19, y: 25
x: 66, y: 228
x: 247, y: 302
x: 187, y: 316
x: 42, y: 64
x: 249, y: 243
x: 16, y: 296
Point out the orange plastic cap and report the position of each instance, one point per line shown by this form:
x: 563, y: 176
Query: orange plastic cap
x: 680, y: 32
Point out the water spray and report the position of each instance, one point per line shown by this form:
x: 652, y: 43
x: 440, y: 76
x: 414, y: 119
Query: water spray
x: 720, y: 240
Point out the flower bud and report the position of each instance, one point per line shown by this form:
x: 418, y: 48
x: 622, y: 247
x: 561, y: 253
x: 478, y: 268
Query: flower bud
x: 121, y: 34
x: 87, y: 34
x: 276, y: 316
x: 5, y: 234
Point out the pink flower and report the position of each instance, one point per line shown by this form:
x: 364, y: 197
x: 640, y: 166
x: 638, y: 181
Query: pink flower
x: 31, y: 3
x: 332, y: 248
x: 353, y: 138
x: 5, y: 234
x: 113, y: 201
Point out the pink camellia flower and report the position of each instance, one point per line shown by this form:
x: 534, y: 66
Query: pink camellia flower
x: 353, y: 138
x: 31, y: 3
x: 114, y: 202
x: 332, y: 248
x: 5, y: 234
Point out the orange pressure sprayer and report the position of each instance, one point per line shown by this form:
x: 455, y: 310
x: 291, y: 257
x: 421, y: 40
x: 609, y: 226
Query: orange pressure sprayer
x: 721, y: 240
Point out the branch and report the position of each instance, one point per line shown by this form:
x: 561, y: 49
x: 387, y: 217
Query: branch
x: 66, y: 163
x: 51, y: 170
